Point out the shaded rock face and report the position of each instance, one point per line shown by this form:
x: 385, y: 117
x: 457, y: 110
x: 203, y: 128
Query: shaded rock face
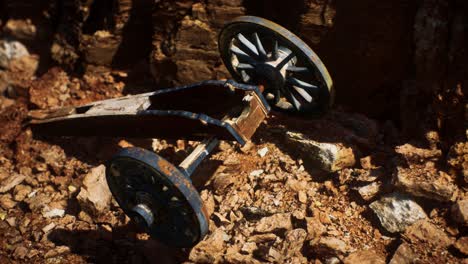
x: 390, y: 54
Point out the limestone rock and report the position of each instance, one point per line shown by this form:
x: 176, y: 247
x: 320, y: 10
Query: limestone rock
x: 460, y: 212
x: 54, y: 212
x: 364, y: 257
x: 425, y: 232
x: 10, y: 50
x: 397, y: 211
x: 95, y: 196
x: 10, y: 182
x: 276, y: 222
x: 327, y: 156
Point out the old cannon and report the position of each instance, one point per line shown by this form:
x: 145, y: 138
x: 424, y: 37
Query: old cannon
x: 271, y: 68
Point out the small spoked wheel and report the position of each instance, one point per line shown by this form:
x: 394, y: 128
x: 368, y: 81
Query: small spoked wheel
x: 258, y: 51
x: 157, y: 196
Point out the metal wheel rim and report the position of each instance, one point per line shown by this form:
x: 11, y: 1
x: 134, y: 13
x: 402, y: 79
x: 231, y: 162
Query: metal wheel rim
x: 184, y: 213
x: 243, y: 40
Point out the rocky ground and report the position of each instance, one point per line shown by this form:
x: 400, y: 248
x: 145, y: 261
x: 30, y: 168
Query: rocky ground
x: 344, y: 188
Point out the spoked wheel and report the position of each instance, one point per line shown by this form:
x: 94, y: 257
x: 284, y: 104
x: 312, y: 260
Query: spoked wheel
x: 157, y: 196
x: 258, y: 51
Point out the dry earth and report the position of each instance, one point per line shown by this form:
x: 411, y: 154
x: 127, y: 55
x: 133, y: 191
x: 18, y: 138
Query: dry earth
x: 336, y: 189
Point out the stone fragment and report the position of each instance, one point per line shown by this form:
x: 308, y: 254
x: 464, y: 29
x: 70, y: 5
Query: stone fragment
x: 10, y: 182
x: 302, y: 197
x: 404, y: 255
x: 208, y: 202
x: 83, y: 216
x: 397, y: 211
x: 262, y: 238
x: 10, y: 50
x: 366, y: 163
x: 55, y: 212
x: 460, y: 212
x: 418, y: 175
x: 364, y: 257
x: 256, y: 173
x: 332, y: 260
x: 210, y: 249
x: 327, y: 156
x: 329, y: 246
x: 48, y: 227
x: 32, y: 253
x: 274, y: 255
x: 221, y: 181
x: 21, y: 192
x: 423, y: 231
x: 315, y: 228
x: 458, y: 158
x: 262, y: 152
x: 368, y: 192
x: 253, y: 213
x: 11, y: 221
x: 38, y: 202
x: 21, y: 29
x: 59, y: 250
x: 6, y: 201
x: 425, y: 181
x: 293, y: 242
x: 414, y: 154
x: 276, y: 222
x: 95, y: 196
x: 462, y: 245
x: 20, y: 252
x: 249, y: 247
x: 237, y: 258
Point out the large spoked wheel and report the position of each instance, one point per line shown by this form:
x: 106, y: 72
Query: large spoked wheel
x: 157, y: 196
x: 258, y: 51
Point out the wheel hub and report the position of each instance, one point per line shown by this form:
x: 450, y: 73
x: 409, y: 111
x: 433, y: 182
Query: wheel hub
x: 157, y: 196
x: 267, y: 75
x: 258, y: 51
